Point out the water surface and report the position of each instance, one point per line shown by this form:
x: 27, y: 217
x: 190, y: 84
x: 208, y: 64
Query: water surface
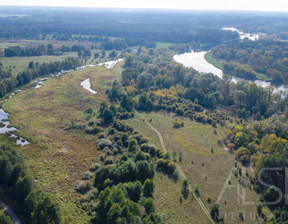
x: 87, y: 85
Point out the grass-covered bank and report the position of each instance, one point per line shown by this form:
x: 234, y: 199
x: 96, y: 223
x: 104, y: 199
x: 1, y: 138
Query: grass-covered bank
x: 208, y: 57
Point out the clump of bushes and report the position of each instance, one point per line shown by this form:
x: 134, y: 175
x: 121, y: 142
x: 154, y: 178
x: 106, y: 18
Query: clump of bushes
x: 102, y: 143
x: 83, y: 187
x: 178, y: 124
x: 166, y: 165
x: 93, y: 131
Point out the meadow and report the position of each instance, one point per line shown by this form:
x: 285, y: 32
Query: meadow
x: 57, y: 157
x: 201, y: 167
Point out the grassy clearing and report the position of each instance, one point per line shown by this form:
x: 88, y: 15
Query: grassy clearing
x: 18, y: 64
x: 216, y: 63
x: 201, y: 167
x: 58, y: 157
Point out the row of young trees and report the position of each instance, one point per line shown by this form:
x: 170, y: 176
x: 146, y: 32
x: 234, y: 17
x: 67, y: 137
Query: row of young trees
x: 34, y: 71
x: 15, y: 180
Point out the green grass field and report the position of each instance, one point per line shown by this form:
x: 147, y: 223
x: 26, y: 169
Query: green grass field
x: 200, y: 166
x: 18, y: 64
x: 58, y: 157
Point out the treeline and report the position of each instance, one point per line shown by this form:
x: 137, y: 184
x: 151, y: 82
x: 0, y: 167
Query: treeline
x: 80, y: 38
x: 123, y: 44
x: 267, y: 57
x: 24, y: 52
x: 74, y: 48
x: 15, y: 180
x: 34, y: 71
x: 263, y: 145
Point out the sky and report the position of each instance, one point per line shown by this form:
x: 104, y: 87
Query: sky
x: 251, y: 5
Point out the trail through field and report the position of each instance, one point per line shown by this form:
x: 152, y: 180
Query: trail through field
x: 9, y: 211
x: 182, y: 175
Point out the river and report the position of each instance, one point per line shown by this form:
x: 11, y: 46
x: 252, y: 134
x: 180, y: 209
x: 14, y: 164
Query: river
x: 197, y: 61
x: 242, y: 35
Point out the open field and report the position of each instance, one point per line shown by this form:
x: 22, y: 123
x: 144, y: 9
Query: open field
x: 58, y: 157
x: 18, y: 64
x: 209, y: 171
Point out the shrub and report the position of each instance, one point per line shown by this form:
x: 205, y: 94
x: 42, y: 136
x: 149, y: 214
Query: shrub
x: 82, y: 187
x: 143, y: 140
x: 101, y: 135
x: 171, y: 167
x: 132, y: 143
x: 108, y: 161
x: 95, y: 166
x: 89, y: 111
x: 148, y: 188
x: 93, y: 131
x: 101, y: 143
x: 159, y: 153
x: 87, y: 175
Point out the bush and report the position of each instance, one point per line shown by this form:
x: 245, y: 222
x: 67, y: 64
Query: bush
x: 93, y: 131
x: 108, y: 115
x: 160, y: 153
x: 101, y: 135
x: 87, y: 175
x: 148, y: 188
x: 149, y: 206
x: 82, y: 187
x: 148, y: 148
x: 95, y: 166
x: 171, y: 167
x: 89, y: 111
x: 108, y: 161
x: 101, y: 143
x: 143, y: 140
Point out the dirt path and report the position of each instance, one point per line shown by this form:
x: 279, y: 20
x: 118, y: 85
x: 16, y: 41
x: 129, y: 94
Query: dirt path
x: 182, y: 175
x: 9, y: 211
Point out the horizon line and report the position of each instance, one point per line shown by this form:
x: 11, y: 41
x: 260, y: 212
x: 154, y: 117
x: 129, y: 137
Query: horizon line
x: 153, y: 9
